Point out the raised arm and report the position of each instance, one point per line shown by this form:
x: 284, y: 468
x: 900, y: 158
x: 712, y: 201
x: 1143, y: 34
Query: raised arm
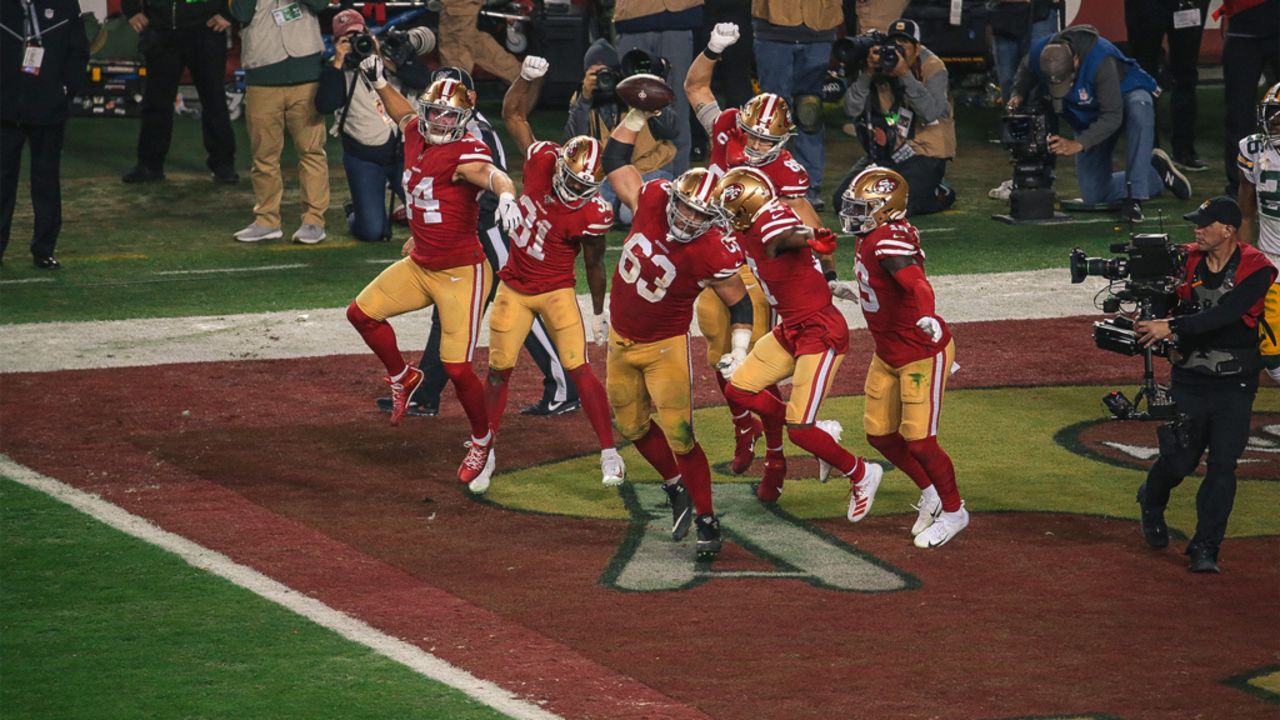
x: 697, y: 82
x: 520, y: 98
x: 623, y: 176
x: 397, y: 108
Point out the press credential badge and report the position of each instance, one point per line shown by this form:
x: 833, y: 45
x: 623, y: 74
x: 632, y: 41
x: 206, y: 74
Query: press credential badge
x: 287, y: 14
x: 32, y: 59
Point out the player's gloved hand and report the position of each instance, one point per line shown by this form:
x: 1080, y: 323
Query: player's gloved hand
x: 508, y: 213
x: 600, y: 328
x: 931, y: 327
x: 730, y: 362
x: 823, y: 241
x: 533, y: 68
x: 373, y: 71
x: 722, y: 36
x: 843, y: 290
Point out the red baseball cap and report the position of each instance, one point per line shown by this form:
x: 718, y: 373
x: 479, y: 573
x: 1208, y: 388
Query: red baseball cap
x: 347, y: 21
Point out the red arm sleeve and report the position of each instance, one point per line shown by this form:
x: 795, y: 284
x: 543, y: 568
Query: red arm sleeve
x: 912, y: 279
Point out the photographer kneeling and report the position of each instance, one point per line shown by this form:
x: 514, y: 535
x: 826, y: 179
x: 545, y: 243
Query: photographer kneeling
x: 900, y: 102
x: 371, y: 152
x: 1101, y: 93
x: 1215, y: 376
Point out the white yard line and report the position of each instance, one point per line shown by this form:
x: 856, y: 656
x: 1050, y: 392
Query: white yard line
x: 202, y: 558
x: 24, y: 281
x: 41, y: 347
x: 252, y: 268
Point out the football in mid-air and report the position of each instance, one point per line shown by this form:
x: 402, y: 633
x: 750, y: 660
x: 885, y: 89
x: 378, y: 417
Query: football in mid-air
x: 646, y: 92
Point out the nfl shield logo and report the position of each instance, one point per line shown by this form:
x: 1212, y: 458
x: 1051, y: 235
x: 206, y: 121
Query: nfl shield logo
x: 48, y: 13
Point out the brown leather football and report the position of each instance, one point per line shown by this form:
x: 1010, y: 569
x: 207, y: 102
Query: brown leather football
x: 646, y: 92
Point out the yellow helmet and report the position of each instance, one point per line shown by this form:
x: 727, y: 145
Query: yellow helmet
x: 742, y: 194
x: 765, y: 117
x: 1269, y: 116
x: 690, y: 210
x: 579, y: 171
x: 444, y: 111
x: 876, y: 196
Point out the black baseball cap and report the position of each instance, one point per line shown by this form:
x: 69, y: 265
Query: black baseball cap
x: 1221, y: 209
x: 904, y: 28
x: 448, y: 72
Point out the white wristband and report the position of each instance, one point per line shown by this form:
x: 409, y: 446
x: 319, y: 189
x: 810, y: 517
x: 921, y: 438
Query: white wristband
x: 741, y: 339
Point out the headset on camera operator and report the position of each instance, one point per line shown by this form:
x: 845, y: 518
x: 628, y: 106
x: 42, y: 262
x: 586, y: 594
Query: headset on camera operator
x: 371, y: 153
x: 901, y: 102
x: 1216, y: 361
x: 596, y: 110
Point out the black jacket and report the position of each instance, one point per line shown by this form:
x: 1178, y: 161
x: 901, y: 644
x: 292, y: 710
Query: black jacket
x: 176, y: 14
x: 42, y: 99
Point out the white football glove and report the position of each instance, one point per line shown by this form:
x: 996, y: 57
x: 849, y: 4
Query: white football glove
x: 931, y: 327
x: 730, y: 362
x: 722, y: 36
x: 373, y: 71
x: 508, y: 213
x: 843, y: 290
x: 600, y: 329
x: 533, y: 68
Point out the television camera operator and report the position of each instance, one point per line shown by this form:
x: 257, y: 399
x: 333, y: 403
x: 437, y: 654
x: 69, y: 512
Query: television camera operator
x: 903, y: 108
x: 1216, y: 360
x: 371, y: 152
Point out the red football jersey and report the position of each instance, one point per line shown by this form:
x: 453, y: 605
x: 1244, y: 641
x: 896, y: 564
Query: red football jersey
x: 788, y: 176
x: 890, y: 311
x: 442, y: 213
x: 793, y: 281
x: 659, y: 278
x: 544, y: 248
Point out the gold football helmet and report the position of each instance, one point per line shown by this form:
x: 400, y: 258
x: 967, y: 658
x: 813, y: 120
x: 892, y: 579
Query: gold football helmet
x: 579, y: 171
x: 742, y: 194
x: 690, y: 210
x: 1269, y: 116
x: 444, y: 111
x: 766, y: 117
x: 876, y: 196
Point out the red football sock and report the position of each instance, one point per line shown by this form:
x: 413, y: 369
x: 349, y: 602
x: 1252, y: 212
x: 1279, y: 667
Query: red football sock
x: 741, y: 415
x: 937, y: 463
x: 379, y: 336
x: 819, y: 443
x: 471, y: 395
x: 772, y: 411
x: 697, y: 478
x: 653, y: 447
x: 595, y: 403
x: 495, y: 396
x: 894, y: 448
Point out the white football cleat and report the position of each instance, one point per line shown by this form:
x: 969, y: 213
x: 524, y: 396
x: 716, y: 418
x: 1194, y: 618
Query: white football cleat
x: 613, y: 470
x: 862, y: 494
x: 481, y: 483
x: 943, y: 529
x: 929, y: 508
x: 835, y: 430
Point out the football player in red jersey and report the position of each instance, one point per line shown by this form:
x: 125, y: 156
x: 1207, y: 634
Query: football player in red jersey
x: 444, y: 263
x: 807, y: 345
x: 562, y: 214
x: 675, y: 249
x: 754, y: 136
x: 914, y: 350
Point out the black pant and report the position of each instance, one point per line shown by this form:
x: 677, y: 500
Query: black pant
x: 205, y: 53
x: 1148, y: 22
x: 1219, y: 422
x: 46, y: 184
x: 732, y: 76
x: 1243, y: 59
x: 924, y: 180
x: 555, y: 381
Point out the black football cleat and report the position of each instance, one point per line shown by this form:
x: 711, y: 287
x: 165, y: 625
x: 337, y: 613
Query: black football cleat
x: 1203, y: 559
x: 225, y: 175
x: 547, y: 408
x: 681, y: 509
x: 46, y: 263
x: 142, y: 174
x: 413, y: 409
x: 1154, y: 528
x: 708, y: 545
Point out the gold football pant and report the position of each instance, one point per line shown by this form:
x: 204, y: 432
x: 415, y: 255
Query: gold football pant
x: 512, y: 317
x: 1269, y: 329
x: 811, y: 376
x: 458, y: 292
x: 907, y: 399
x: 652, y: 379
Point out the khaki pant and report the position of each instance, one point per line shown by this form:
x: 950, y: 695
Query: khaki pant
x: 463, y: 45
x: 269, y: 110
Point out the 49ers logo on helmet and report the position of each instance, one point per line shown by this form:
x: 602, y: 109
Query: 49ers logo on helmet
x: 884, y: 186
x: 733, y: 192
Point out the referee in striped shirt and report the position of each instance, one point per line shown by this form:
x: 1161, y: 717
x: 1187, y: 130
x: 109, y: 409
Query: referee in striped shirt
x: 559, y: 396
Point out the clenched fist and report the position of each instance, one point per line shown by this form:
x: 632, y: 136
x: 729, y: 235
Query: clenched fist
x: 533, y: 68
x: 722, y: 36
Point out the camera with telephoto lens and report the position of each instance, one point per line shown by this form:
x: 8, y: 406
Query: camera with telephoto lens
x: 606, y: 90
x: 1026, y: 136
x: 852, y: 52
x: 397, y: 46
x: 362, y: 46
